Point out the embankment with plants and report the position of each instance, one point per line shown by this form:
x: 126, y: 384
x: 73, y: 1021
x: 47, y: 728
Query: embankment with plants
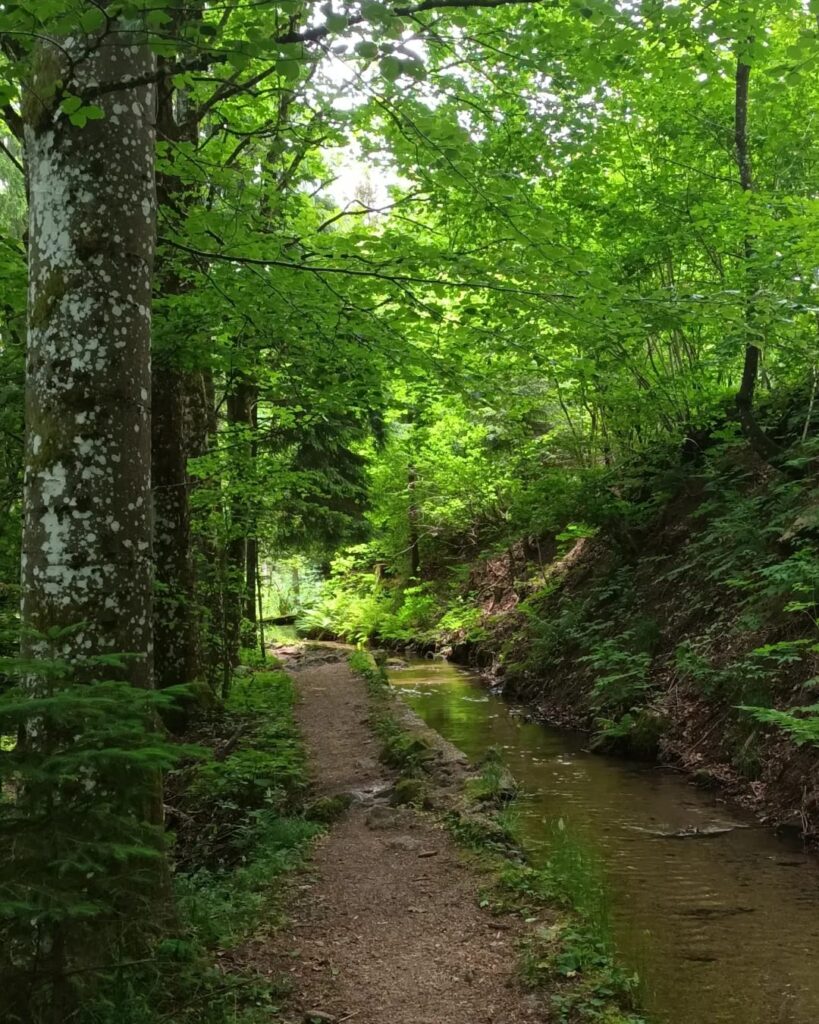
x: 669, y: 609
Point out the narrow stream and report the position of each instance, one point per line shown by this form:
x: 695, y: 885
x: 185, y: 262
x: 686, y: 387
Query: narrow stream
x: 722, y: 929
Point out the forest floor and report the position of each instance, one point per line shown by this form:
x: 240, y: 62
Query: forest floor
x: 385, y: 928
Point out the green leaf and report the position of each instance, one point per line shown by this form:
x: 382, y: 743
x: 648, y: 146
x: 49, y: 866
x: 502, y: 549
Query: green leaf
x: 70, y: 104
x: 366, y: 49
x: 288, y: 69
x: 157, y: 18
x: 238, y: 59
x: 414, y: 68
x: 336, y: 22
x: 92, y: 20
x: 390, y: 68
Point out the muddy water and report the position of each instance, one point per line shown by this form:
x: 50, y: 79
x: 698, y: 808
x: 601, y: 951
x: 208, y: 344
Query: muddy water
x: 722, y: 930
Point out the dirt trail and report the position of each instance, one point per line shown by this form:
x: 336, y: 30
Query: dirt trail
x: 387, y: 929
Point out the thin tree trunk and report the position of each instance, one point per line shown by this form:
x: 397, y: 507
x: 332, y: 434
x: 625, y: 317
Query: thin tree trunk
x: 252, y: 553
x: 209, y: 610
x: 239, y: 411
x: 175, y: 622
x: 251, y: 574
x: 412, y: 516
x: 763, y: 445
x: 262, y: 645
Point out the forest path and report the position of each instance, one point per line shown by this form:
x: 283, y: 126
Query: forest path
x: 386, y: 929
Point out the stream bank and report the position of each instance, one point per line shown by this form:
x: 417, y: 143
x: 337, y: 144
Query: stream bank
x: 718, y: 915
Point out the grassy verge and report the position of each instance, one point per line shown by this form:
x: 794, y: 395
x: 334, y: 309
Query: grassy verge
x: 241, y: 825
x: 570, y: 960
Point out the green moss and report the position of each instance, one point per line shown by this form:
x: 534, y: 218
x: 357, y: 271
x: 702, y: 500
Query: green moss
x: 409, y: 792
x: 40, y: 99
x: 327, y: 809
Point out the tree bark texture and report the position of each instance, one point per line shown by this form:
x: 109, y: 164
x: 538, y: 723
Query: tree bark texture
x: 172, y: 443
x: 87, y: 506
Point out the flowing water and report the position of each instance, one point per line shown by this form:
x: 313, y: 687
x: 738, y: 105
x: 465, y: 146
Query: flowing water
x: 723, y: 929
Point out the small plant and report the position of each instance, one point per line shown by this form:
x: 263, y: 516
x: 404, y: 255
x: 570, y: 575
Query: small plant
x: 800, y: 723
x: 621, y: 679
x: 495, y: 783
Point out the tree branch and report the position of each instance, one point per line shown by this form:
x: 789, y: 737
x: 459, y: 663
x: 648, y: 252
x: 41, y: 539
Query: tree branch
x: 252, y: 261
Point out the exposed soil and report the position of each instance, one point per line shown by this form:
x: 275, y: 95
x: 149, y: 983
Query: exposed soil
x: 387, y: 928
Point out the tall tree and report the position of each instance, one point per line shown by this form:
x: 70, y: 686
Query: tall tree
x: 87, y: 531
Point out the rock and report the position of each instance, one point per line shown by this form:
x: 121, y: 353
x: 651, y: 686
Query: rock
x: 376, y: 791
x: 318, y: 1017
x: 704, y: 779
x: 327, y: 809
x: 404, y: 843
x: 408, y: 791
x: 381, y: 817
x: 396, y: 664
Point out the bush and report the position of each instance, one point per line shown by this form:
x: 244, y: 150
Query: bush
x: 84, y: 883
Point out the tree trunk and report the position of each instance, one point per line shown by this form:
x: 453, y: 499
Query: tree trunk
x: 240, y: 406
x: 200, y: 429
x: 763, y: 445
x: 251, y: 573
x: 87, y: 505
x: 175, y: 621
x: 414, y: 545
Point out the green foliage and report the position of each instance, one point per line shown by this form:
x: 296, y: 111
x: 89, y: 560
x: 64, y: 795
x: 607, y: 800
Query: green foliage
x: 801, y: 724
x: 621, y: 673
x: 235, y: 842
x: 494, y: 783
x: 524, y: 322
x: 327, y: 809
x: 408, y: 792
x: 636, y: 733
x: 265, y: 774
x: 82, y: 875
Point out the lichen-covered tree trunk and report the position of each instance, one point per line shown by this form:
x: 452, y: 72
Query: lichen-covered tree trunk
x: 87, y: 531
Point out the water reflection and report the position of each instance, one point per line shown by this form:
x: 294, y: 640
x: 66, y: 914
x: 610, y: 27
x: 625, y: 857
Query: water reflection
x: 723, y: 928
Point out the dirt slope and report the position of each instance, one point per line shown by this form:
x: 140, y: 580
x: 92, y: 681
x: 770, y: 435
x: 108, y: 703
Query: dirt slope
x: 387, y: 930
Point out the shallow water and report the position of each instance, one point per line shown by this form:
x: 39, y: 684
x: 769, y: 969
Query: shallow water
x: 722, y: 930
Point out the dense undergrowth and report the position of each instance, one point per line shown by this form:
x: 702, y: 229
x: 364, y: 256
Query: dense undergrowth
x: 240, y: 825
x: 569, y: 958
x: 672, y: 612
